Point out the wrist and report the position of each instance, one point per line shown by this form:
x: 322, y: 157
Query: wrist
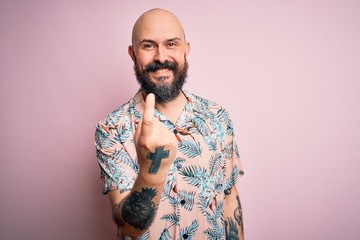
x: 150, y: 180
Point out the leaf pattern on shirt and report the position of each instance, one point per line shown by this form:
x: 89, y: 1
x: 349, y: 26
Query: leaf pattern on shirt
x: 100, y: 136
x: 216, y: 229
x: 145, y: 236
x: 216, y: 163
x: 230, y: 182
x: 108, y: 142
x: 230, y: 128
x: 124, y: 157
x: 205, y: 182
x: 165, y: 234
x: 211, y: 142
x: 115, y: 116
x: 123, y: 132
x: 192, y: 174
x: 178, y: 161
x: 171, y: 217
x: 222, y: 114
x: 206, y: 166
x: 113, y: 174
x: 200, y: 126
x: 228, y: 150
x: 218, y: 130
x: 190, y: 148
x: 189, y: 230
x: 188, y: 197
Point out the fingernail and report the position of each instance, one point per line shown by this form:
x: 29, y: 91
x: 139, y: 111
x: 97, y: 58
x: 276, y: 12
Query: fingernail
x: 151, y: 95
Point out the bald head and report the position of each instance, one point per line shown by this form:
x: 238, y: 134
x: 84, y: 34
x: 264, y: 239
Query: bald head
x: 157, y: 22
x: 159, y: 52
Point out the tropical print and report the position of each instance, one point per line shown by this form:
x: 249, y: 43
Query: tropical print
x: 206, y: 167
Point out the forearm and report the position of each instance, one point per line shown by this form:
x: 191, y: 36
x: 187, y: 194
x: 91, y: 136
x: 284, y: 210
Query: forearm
x: 135, y: 213
x: 156, y: 148
x: 234, y: 227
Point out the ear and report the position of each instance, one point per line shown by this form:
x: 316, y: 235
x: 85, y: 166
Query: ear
x: 131, y: 53
x: 187, y: 50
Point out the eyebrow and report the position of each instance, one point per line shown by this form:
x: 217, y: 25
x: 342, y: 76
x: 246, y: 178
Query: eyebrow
x: 152, y: 41
x: 173, y: 39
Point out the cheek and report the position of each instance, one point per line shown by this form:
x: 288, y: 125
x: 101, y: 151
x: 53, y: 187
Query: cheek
x: 143, y: 59
x: 181, y: 60
x: 180, y: 57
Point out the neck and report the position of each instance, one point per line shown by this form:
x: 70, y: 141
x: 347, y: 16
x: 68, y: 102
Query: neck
x: 172, y: 110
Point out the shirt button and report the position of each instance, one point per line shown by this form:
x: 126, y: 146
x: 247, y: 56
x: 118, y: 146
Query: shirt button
x: 185, y: 236
x: 227, y: 192
x: 182, y: 202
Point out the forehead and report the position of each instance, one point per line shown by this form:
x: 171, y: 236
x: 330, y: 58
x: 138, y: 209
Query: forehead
x: 157, y: 27
x: 158, y: 33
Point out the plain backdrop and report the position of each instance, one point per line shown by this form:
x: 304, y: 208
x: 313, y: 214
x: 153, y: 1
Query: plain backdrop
x: 287, y: 71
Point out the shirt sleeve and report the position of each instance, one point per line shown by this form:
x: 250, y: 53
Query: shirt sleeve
x: 118, y: 169
x: 234, y: 168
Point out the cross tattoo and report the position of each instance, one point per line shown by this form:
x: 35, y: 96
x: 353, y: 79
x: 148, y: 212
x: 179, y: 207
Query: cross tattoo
x: 156, y: 158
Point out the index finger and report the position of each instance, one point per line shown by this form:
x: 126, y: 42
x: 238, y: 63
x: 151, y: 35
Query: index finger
x: 148, y: 116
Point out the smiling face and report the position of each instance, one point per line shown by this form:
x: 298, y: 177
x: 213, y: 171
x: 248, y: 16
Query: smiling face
x: 159, y: 51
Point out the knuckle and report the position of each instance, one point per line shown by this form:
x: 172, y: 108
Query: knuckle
x: 147, y: 123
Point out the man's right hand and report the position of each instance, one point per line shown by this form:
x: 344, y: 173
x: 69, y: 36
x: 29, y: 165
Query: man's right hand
x: 156, y: 146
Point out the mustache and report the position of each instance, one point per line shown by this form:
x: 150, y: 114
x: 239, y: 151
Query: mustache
x: 154, y: 66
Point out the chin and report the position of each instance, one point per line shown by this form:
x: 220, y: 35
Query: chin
x: 163, y: 80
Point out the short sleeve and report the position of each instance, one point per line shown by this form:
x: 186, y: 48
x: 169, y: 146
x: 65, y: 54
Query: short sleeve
x: 234, y: 168
x: 118, y: 169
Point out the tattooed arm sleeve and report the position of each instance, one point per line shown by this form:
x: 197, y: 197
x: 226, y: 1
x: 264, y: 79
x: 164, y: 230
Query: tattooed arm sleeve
x: 234, y: 227
x: 135, y: 211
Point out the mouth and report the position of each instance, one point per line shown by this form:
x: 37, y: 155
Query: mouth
x: 161, y: 74
x: 162, y: 71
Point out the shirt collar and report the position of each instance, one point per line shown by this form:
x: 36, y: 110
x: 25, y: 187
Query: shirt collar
x: 194, y: 106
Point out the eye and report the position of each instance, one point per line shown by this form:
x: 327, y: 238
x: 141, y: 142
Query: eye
x: 172, y: 44
x: 147, y: 46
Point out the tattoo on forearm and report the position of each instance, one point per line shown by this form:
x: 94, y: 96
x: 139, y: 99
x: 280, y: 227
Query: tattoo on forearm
x: 138, y: 209
x: 231, y: 231
x: 238, y: 215
x: 156, y: 158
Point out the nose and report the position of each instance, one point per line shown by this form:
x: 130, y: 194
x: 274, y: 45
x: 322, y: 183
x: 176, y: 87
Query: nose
x: 160, y: 55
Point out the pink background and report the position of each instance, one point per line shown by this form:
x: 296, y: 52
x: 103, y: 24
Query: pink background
x: 288, y: 72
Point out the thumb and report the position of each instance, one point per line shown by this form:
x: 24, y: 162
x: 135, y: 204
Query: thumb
x: 148, y: 116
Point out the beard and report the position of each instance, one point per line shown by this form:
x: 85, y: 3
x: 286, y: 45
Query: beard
x: 163, y: 92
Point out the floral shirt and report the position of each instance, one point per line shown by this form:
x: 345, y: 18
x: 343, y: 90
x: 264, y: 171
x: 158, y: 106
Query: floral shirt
x: 206, y: 166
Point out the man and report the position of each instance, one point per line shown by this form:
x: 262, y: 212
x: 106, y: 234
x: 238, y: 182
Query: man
x: 168, y: 158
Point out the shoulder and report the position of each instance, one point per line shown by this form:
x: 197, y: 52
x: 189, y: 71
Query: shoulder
x: 121, y: 115
x: 205, y: 106
x: 118, y: 124
x: 116, y: 117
